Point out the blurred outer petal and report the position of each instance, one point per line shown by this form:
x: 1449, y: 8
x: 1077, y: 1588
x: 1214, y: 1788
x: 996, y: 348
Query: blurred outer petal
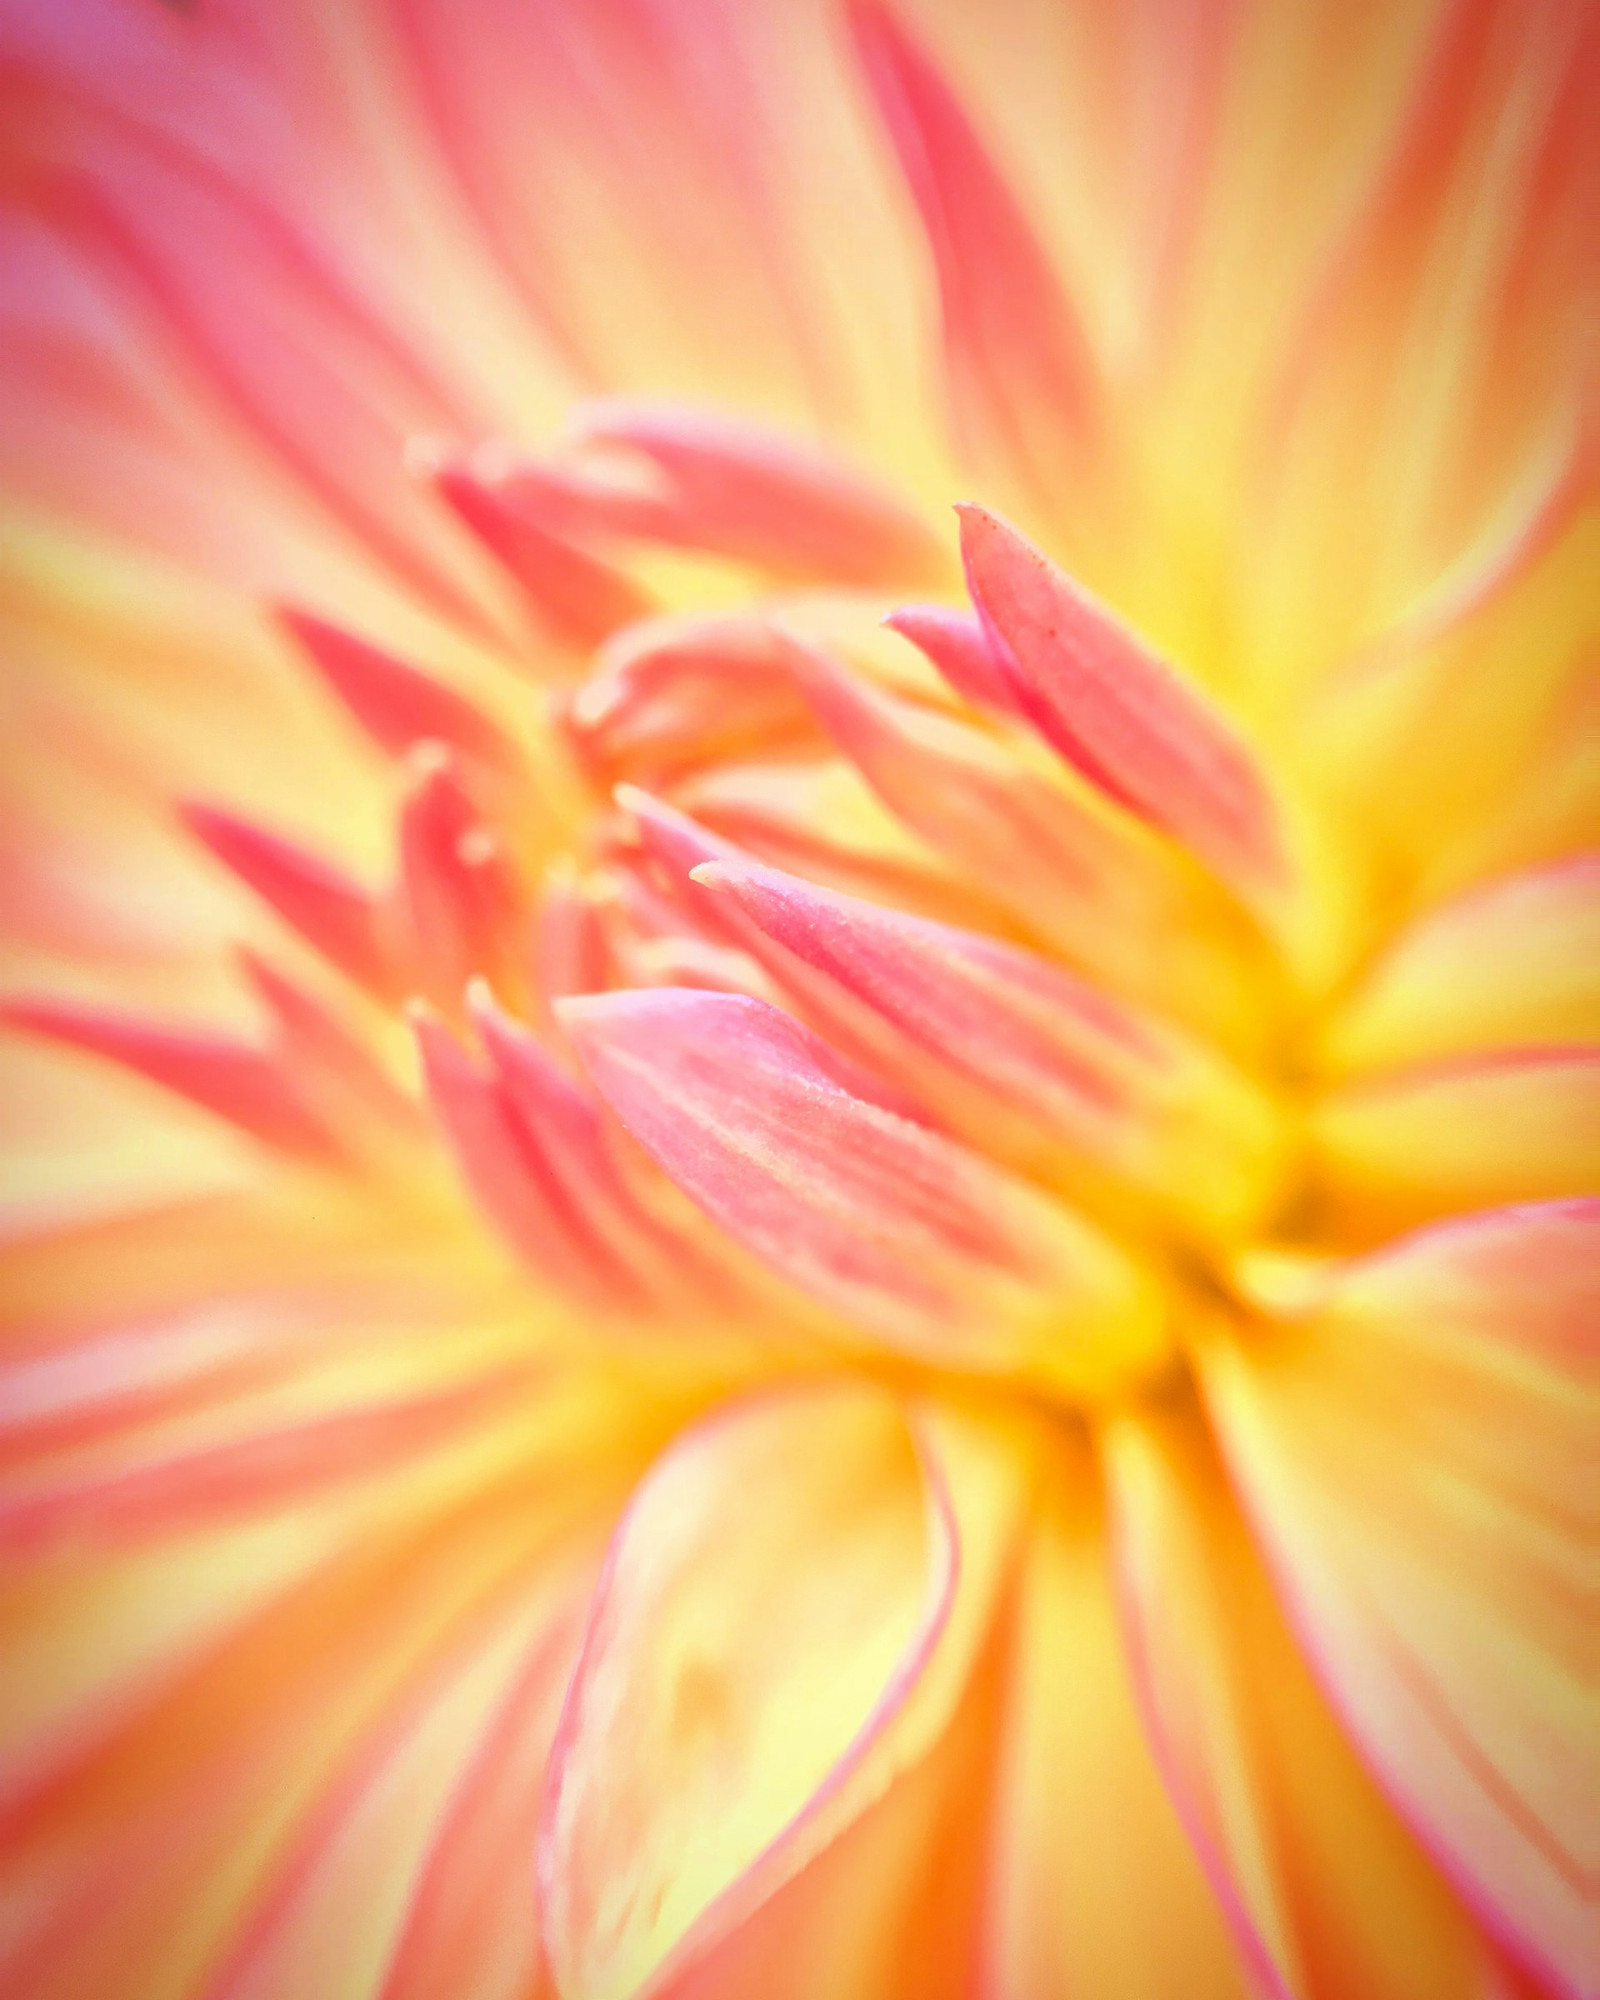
x: 1511, y: 1125
x: 1019, y: 370
x: 780, y: 1613
x: 1330, y: 1897
x: 934, y: 1249
x: 1513, y: 963
x: 1125, y: 718
x: 1417, y: 1459
x: 1080, y: 1812
x: 197, y: 1797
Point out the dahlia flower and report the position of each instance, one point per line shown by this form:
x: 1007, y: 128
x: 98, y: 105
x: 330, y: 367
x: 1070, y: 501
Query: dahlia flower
x: 761, y: 1240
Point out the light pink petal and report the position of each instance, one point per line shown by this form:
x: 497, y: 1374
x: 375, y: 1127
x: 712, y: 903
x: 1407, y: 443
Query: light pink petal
x: 1513, y: 963
x: 1121, y: 715
x: 958, y: 646
x: 921, y: 1242
x: 1023, y: 385
x: 770, y: 1601
x: 1417, y: 1459
x: 1020, y: 1055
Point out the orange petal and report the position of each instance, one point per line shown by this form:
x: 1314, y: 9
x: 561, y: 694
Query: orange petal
x: 1513, y: 963
x: 1328, y: 1895
x: 1416, y: 1458
x: 1081, y: 1812
x: 768, y: 1605
x: 927, y: 1245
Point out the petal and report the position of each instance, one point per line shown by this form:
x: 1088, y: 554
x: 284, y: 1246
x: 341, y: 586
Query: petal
x: 1018, y: 367
x: 927, y: 1245
x: 1081, y: 1812
x: 395, y: 703
x: 579, y: 598
x: 957, y: 645
x: 1416, y: 1459
x: 1121, y: 715
x: 892, y: 1908
x: 333, y: 913
x: 1003, y: 1043
x: 1514, y: 963
x: 769, y: 1602
x: 1081, y: 878
x: 668, y: 694
x: 1328, y: 1895
x: 247, y: 1086
x: 1514, y: 1125
x: 737, y: 490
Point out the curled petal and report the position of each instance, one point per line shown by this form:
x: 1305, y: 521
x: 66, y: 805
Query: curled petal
x: 937, y: 1252
x: 1123, y: 717
x: 1416, y: 1457
x: 669, y: 694
x: 1033, y: 1047
x: 769, y: 1602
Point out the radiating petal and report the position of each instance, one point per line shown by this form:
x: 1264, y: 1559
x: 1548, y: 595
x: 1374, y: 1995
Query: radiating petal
x: 1080, y: 1812
x: 1514, y: 963
x: 924, y: 1243
x: 248, y: 1086
x: 1510, y: 1125
x: 1417, y: 1461
x: 1023, y: 387
x: 334, y: 914
x: 1329, y: 1897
